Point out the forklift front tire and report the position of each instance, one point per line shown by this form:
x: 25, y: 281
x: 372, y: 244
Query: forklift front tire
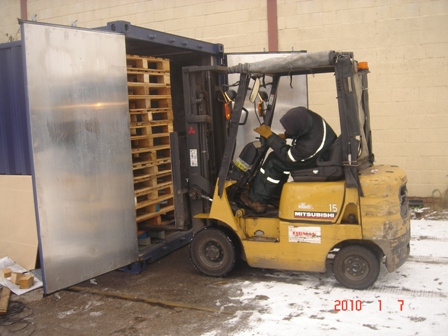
x: 212, y: 252
x: 356, y: 267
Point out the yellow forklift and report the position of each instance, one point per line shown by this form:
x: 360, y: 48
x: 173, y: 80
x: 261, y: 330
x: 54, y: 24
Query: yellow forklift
x: 346, y: 211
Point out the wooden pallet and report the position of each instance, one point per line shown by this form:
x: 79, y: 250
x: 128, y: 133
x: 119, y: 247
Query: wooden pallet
x: 152, y: 206
x: 145, y: 194
x: 161, y: 138
x: 148, y: 115
x: 144, y: 63
x: 150, y: 102
x: 156, y: 213
x: 154, y: 128
x: 138, y: 88
x: 151, y: 140
x: 156, y: 180
x: 144, y: 90
x: 152, y: 153
x: 141, y: 164
x: 165, y: 220
x: 153, y: 77
x: 147, y: 174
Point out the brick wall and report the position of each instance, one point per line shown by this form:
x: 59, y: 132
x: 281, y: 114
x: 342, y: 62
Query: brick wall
x: 406, y: 45
x: 404, y: 41
x: 9, y: 28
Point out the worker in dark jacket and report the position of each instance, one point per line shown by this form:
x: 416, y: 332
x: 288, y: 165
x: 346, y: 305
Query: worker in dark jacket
x: 311, y: 136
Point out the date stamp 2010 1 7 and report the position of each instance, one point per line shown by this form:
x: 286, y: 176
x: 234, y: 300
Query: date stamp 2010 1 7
x: 357, y: 305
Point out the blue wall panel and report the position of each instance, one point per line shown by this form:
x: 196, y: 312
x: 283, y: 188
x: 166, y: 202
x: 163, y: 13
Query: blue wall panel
x: 14, y: 138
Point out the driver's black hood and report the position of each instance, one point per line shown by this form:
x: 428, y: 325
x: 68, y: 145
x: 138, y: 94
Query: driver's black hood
x: 297, y: 122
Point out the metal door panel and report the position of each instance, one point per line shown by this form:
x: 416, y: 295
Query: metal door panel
x: 81, y: 152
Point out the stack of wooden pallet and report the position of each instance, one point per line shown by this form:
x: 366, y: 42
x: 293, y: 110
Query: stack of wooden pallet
x: 151, y: 121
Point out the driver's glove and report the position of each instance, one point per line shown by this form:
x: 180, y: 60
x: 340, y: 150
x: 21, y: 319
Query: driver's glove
x: 263, y: 130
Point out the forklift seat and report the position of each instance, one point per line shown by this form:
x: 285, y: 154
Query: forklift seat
x: 328, y: 166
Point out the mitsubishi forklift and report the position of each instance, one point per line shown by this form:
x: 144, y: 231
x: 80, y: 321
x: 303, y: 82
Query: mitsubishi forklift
x: 346, y: 211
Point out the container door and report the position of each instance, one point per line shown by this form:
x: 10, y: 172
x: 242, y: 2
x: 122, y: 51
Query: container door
x: 77, y: 107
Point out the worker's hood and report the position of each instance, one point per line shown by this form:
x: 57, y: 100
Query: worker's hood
x: 297, y: 122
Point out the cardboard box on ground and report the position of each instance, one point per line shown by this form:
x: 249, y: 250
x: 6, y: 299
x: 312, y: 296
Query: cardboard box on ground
x: 18, y: 232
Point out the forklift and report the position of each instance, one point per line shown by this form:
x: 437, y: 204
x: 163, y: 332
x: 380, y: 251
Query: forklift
x: 346, y: 212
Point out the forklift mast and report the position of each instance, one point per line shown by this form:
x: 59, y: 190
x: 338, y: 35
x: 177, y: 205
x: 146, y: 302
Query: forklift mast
x: 197, y: 152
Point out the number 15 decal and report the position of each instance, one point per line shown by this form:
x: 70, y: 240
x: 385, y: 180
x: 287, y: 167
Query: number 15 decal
x: 333, y: 207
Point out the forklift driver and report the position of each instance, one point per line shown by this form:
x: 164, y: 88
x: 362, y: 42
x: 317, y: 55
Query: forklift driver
x: 311, y: 135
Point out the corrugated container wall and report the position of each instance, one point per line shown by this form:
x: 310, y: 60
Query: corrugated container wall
x: 14, y: 138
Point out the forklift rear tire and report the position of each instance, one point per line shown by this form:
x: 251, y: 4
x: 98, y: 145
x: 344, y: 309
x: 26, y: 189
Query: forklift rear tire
x: 356, y: 267
x: 212, y: 252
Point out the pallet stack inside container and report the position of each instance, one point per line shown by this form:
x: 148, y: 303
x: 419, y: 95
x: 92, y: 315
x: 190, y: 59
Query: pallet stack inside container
x: 151, y: 121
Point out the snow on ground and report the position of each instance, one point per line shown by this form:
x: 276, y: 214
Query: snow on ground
x: 411, y: 301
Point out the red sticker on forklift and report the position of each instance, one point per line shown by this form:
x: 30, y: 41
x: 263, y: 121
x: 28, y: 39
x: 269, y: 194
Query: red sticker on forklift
x: 311, y: 214
x: 304, y: 234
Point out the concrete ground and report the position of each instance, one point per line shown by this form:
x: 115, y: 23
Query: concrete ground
x: 169, y: 298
